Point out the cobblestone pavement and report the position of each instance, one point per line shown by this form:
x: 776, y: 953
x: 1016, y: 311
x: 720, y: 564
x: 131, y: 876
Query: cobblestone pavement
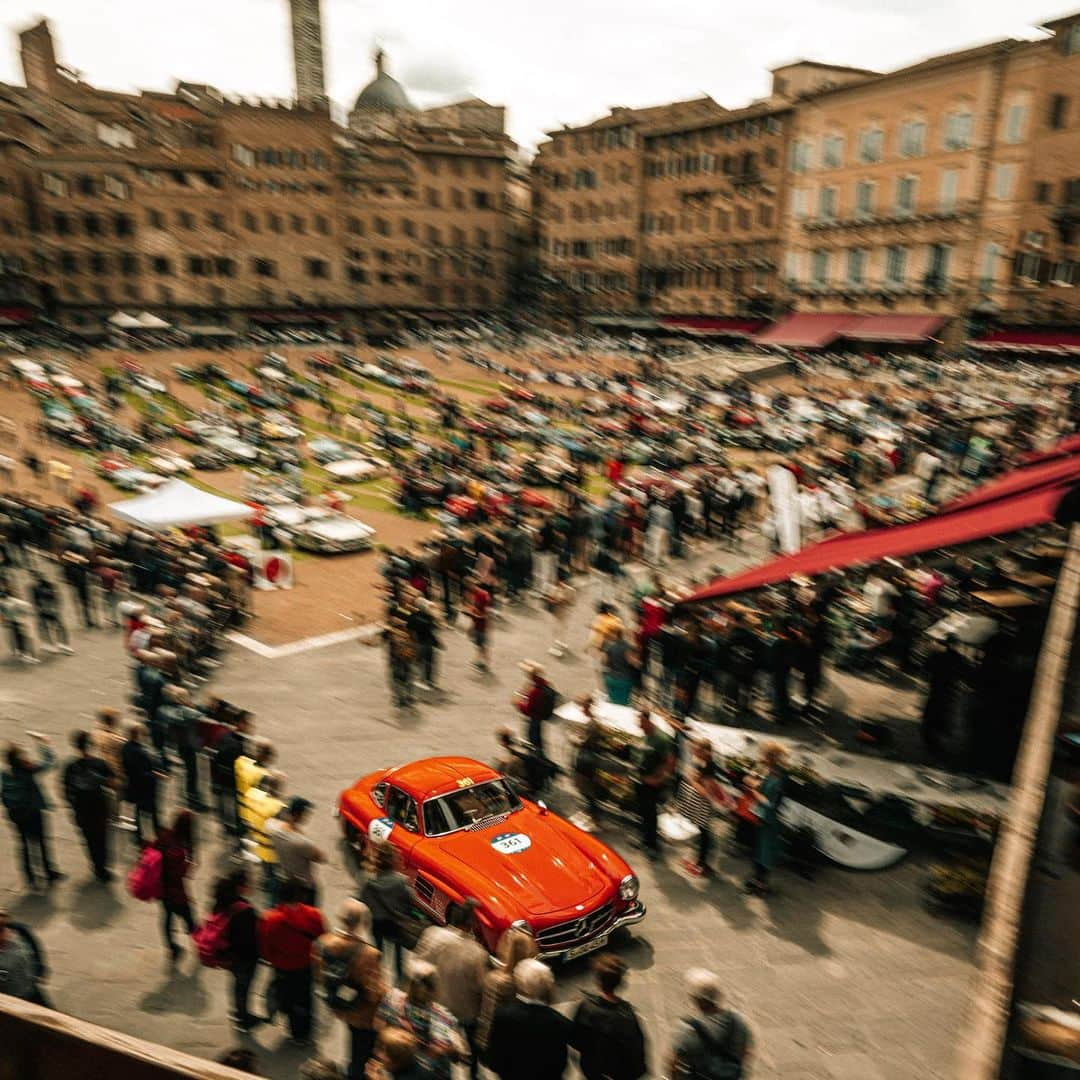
x: 845, y: 976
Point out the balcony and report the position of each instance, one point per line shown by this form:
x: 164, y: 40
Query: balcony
x: 862, y: 220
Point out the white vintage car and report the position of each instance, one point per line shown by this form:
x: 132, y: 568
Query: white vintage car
x: 319, y: 529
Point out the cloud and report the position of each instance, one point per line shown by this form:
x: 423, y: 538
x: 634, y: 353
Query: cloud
x: 435, y: 76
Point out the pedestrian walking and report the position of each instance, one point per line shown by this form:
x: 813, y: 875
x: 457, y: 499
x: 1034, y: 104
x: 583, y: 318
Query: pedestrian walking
x: 287, y: 935
x: 87, y: 789
x: 461, y: 964
x: 529, y: 1039
x: 50, y: 626
x: 348, y: 970
x: 621, y: 665
x: 15, y: 613
x: 607, y: 1033
x: 536, y: 701
x: 142, y: 775
x: 766, y: 794
x: 297, y: 856
x: 700, y: 797
x: 177, y: 847
x: 231, y: 746
x: 478, y: 601
x: 514, y: 946
x: 655, y: 766
x: 26, y: 806
x: 413, y: 1008
x: 389, y: 898
x: 261, y: 805
x: 230, y: 902
x: 711, y: 1041
x: 77, y: 574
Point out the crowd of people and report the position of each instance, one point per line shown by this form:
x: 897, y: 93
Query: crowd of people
x: 417, y: 999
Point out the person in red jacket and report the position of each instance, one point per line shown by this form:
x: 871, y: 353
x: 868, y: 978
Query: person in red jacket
x: 177, y: 847
x: 287, y: 933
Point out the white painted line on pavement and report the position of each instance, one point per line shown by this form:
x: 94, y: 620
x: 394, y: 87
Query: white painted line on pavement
x: 321, y: 641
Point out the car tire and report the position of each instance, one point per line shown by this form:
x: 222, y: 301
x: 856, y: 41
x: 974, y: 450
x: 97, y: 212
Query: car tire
x: 355, y: 840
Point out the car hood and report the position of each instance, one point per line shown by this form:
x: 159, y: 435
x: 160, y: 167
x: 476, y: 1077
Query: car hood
x: 548, y: 874
x: 338, y: 529
x: 350, y: 467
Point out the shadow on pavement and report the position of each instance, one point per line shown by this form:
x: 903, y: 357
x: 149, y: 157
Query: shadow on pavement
x: 94, y: 905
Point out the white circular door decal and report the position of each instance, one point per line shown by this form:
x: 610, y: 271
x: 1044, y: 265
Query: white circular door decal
x: 380, y: 828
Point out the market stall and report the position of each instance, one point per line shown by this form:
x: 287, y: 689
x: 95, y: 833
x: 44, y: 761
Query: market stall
x: 865, y: 812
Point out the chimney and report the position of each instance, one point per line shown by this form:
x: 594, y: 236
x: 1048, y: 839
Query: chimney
x: 38, y: 57
x: 307, y: 51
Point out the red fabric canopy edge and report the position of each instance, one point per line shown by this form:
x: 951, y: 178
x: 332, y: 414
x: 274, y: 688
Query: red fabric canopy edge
x: 1007, y: 515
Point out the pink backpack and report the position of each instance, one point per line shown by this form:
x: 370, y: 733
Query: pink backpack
x: 146, y: 881
x: 212, y: 939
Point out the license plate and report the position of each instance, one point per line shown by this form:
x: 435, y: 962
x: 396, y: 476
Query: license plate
x: 588, y: 947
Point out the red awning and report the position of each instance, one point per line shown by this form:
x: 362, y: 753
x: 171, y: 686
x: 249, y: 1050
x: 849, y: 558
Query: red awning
x: 811, y: 330
x: 1036, y: 477
x: 894, y: 328
x: 1068, y: 445
x: 1007, y: 515
x: 1029, y: 341
x: 705, y: 324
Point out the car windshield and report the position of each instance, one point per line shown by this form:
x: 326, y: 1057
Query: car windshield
x: 460, y: 809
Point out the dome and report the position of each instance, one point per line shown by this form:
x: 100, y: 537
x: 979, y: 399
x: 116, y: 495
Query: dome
x: 384, y: 93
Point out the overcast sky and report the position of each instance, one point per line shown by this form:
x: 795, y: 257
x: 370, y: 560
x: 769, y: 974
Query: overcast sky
x: 549, y: 61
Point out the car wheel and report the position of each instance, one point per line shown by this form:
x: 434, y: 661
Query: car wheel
x: 355, y: 840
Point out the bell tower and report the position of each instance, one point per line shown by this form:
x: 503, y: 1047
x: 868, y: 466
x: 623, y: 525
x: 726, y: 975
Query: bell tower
x: 307, y: 51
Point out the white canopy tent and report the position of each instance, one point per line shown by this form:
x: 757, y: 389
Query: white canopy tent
x: 151, y: 322
x: 177, y: 504
x: 123, y: 321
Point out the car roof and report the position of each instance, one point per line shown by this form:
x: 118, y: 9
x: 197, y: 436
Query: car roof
x: 431, y: 777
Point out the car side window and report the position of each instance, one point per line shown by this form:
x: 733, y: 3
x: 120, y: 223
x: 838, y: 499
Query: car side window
x: 378, y: 795
x: 402, y: 810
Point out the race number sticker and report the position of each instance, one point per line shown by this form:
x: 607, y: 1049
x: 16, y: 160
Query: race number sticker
x: 511, y: 843
x: 380, y: 828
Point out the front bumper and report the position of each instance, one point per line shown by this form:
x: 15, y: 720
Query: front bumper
x: 633, y: 914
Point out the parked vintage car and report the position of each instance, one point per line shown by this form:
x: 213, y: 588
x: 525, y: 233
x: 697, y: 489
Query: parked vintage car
x: 461, y: 831
x: 320, y: 529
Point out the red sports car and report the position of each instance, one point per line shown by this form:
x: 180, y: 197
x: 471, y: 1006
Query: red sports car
x: 462, y: 832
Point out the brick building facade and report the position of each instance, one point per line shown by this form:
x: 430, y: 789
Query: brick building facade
x: 202, y: 208
x: 945, y: 192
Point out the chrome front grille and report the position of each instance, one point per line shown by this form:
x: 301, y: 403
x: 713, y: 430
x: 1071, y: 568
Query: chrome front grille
x: 566, y: 935
x: 486, y: 823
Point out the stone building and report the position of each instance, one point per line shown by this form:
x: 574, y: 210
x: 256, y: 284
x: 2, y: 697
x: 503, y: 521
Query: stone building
x: 927, y: 199
x: 207, y: 209
x: 939, y: 199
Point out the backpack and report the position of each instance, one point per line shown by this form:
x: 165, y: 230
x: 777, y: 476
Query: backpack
x: 146, y: 881
x: 718, y: 1061
x: 336, y: 991
x: 212, y: 939
x: 87, y: 784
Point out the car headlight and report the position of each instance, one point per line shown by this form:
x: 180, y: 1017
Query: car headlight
x: 523, y: 926
x: 628, y: 888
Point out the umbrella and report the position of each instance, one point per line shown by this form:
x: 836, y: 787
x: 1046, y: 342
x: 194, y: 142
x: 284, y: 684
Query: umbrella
x: 123, y: 321
x: 146, y: 321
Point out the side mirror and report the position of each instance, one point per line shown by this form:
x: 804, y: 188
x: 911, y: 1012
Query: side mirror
x: 542, y: 805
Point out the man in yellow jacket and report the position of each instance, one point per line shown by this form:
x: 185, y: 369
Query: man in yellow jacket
x: 260, y: 805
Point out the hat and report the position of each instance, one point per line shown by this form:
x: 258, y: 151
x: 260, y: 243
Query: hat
x: 298, y: 804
